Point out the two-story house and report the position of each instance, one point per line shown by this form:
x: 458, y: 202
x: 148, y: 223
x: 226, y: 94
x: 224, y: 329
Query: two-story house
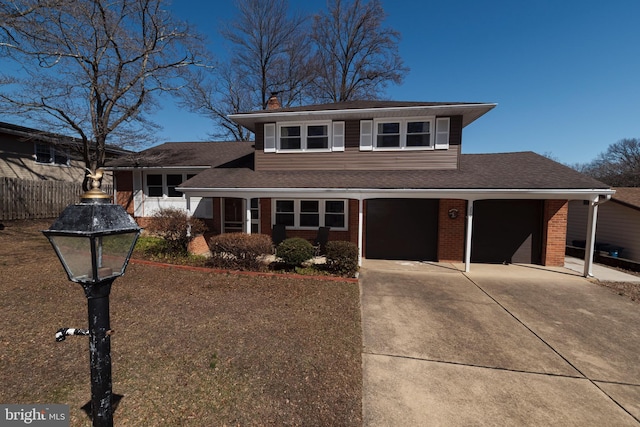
x: 387, y: 176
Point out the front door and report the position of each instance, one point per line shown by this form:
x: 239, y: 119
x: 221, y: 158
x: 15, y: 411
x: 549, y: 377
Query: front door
x: 233, y: 215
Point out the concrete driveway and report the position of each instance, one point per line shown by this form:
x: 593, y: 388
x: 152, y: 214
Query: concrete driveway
x: 501, y: 345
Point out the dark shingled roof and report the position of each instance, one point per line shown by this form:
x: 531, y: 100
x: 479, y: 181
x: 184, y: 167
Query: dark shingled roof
x: 523, y: 170
x: 628, y: 196
x: 215, y: 154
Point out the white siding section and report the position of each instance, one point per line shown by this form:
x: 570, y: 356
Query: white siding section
x: 138, y: 194
x: 366, y: 135
x: 270, y: 138
x: 338, y: 136
x: 617, y: 225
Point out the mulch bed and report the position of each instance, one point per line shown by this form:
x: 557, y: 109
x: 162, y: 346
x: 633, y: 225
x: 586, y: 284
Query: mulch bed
x: 190, y: 347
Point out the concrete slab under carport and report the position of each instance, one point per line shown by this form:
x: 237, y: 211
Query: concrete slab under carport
x: 423, y: 366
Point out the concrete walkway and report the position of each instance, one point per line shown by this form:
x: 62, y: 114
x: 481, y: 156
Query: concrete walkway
x: 501, y: 345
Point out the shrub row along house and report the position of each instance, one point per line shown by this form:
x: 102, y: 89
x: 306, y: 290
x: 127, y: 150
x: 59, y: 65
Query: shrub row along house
x: 387, y: 176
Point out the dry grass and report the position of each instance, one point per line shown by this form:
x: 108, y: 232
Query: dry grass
x: 190, y: 348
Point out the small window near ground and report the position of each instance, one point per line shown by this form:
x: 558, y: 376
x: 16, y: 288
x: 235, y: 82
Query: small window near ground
x: 285, y: 212
x: 174, y: 181
x: 309, y: 213
x: 154, y: 185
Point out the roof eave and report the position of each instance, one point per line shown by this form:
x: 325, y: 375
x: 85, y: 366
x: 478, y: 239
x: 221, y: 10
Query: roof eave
x: 470, y: 113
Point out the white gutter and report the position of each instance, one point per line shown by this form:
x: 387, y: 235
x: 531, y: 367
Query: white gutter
x: 368, y: 193
x: 132, y: 168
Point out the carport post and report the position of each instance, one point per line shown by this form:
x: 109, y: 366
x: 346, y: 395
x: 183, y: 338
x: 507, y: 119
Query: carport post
x: 247, y: 219
x: 360, y: 229
x: 467, y: 251
x: 591, y: 237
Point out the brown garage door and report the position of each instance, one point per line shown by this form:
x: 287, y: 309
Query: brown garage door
x: 402, y: 229
x: 507, y: 231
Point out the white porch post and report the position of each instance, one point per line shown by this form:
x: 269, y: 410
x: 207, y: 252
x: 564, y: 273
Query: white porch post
x: 247, y: 215
x: 591, y: 237
x: 360, y: 230
x: 467, y: 241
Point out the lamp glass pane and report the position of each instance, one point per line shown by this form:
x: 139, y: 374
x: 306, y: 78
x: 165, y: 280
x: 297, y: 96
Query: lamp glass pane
x: 112, y: 253
x: 75, y: 254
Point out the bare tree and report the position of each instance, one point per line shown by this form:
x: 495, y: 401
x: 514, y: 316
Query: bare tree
x: 271, y: 48
x: 619, y: 166
x: 221, y: 92
x: 93, y: 68
x: 357, y: 56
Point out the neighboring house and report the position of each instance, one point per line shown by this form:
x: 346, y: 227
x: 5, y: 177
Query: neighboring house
x: 33, y: 155
x: 618, y: 226
x: 387, y: 176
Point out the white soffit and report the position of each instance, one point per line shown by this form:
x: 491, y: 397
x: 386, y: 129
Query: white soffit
x: 470, y: 113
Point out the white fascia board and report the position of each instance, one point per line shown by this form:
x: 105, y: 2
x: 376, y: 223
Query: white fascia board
x: 147, y: 168
x: 248, y: 120
x: 367, y: 193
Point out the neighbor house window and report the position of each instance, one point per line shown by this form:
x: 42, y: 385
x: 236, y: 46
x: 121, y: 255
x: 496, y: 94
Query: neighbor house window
x: 303, y: 137
x: 164, y: 185
x: 48, y: 154
x: 403, y: 134
x: 311, y: 214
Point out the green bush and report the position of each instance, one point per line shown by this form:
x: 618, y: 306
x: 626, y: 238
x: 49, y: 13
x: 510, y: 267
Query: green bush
x: 176, y: 227
x: 294, y: 251
x: 342, y: 258
x: 240, y: 251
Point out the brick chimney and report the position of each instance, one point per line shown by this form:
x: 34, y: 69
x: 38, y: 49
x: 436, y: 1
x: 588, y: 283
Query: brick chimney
x: 273, y: 103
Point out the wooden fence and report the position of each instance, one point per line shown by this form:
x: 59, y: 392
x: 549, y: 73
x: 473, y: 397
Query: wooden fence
x: 22, y: 199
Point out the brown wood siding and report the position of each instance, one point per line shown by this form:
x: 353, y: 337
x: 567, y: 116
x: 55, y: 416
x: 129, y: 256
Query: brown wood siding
x: 259, y: 136
x: 352, y: 134
x: 455, y: 130
x: 354, y: 159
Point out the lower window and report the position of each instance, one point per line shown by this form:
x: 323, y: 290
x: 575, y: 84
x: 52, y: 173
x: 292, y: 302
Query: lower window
x: 311, y: 214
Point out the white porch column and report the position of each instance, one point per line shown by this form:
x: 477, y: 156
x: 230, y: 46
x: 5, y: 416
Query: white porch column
x: 467, y: 241
x: 247, y: 216
x: 360, y: 230
x: 591, y: 237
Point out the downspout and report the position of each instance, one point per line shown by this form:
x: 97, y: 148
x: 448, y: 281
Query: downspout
x: 591, y: 234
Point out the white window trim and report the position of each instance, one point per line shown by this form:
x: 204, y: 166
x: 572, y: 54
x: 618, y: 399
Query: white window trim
x: 165, y: 186
x: 403, y: 133
x: 322, y: 207
x: 303, y: 137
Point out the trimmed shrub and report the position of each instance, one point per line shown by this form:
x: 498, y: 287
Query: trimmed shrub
x: 294, y: 251
x: 176, y: 227
x: 342, y: 258
x: 240, y: 251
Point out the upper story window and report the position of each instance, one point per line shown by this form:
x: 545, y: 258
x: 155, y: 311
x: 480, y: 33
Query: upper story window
x: 164, y: 185
x: 47, y: 154
x: 413, y: 133
x: 403, y: 134
x: 303, y: 137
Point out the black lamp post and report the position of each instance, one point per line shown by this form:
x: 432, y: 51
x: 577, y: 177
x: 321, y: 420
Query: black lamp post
x: 94, y: 241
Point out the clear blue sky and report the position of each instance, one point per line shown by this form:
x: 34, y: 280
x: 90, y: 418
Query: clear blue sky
x: 564, y: 73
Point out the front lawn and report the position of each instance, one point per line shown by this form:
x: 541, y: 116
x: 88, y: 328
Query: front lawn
x: 190, y: 348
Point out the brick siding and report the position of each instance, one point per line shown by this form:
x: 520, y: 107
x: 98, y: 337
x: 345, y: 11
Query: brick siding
x: 554, y: 232
x: 451, y: 231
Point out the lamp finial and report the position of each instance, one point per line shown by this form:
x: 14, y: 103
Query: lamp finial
x: 96, y: 182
